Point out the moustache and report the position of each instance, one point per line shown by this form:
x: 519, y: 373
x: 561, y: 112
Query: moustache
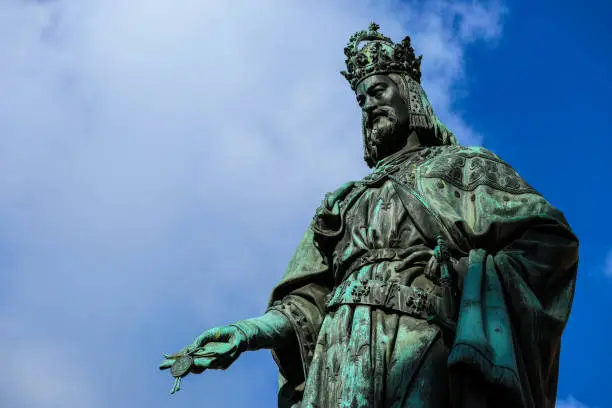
x: 385, y: 112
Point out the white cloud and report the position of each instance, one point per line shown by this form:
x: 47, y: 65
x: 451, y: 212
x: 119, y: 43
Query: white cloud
x: 570, y: 402
x: 39, y: 373
x: 160, y: 159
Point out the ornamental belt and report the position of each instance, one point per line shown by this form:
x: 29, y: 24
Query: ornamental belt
x: 404, y: 299
x: 371, y: 256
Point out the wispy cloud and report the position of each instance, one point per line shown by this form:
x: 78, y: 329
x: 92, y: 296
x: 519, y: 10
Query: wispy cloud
x: 570, y: 402
x: 159, y: 162
x: 41, y: 374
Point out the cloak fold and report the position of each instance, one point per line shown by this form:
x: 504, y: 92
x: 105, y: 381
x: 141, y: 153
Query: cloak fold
x: 300, y: 296
x: 518, y: 291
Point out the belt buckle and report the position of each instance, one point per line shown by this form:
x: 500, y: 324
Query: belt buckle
x: 360, y: 290
x: 419, y: 300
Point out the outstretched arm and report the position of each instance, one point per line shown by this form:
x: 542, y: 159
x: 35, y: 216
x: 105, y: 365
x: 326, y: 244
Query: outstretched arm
x: 219, y: 347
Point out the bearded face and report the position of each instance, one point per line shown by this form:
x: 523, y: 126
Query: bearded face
x: 382, y: 126
x: 385, y: 115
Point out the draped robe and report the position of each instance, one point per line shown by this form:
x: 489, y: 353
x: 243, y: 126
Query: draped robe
x: 515, y: 299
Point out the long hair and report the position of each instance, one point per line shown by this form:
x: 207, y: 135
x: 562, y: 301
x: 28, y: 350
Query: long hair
x: 423, y: 119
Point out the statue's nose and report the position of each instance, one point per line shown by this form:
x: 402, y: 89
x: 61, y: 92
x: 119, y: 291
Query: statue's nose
x: 369, y: 109
x: 369, y: 106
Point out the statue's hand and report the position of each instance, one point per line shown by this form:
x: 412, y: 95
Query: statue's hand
x: 216, y: 348
x: 458, y: 269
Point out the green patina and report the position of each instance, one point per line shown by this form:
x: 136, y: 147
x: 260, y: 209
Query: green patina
x: 441, y: 279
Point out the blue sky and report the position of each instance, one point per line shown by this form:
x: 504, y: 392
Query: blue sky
x: 540, y: 98
x: 160, y: 160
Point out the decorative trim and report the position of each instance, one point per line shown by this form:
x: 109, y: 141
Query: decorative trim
x: 469, y: 170
x: 304, y: 331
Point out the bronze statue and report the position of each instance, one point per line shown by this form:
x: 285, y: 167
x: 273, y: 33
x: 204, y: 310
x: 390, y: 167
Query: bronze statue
x: 440, y: 279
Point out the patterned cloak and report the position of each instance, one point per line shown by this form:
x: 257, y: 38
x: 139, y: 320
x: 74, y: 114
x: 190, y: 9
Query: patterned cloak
x: 516, y: 294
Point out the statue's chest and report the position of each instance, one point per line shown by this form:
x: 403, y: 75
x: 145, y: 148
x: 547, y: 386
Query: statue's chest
x: 376, y: 225
x: 374, y: 197
x: 375, y: 208
x: 368, y: 214
x: 375, y: 219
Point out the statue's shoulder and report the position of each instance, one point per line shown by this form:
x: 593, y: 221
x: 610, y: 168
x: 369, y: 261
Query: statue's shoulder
x: 467, y: 167
x: 336, y: 196
x: 445, y: 153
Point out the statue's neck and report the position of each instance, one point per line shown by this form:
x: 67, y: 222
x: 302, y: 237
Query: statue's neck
x: 412, y: 142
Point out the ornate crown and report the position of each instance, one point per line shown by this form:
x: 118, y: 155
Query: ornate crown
x: 379, y: 56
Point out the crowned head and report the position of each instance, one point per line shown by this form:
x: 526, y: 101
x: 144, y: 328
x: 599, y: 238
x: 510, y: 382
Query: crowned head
x: 379, y: 55
x: 386, y: 78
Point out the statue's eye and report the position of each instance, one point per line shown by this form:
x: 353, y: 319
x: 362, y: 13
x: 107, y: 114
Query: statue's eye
x: 377, y: 92
x: 360, y: 100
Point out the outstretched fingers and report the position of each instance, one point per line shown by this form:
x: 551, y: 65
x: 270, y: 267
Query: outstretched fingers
x: 166, y: 364
x: 213, y: 363
x: 201, y: 364
x: 198, y: 365
x: 216, y: 334
x: 218, y: 356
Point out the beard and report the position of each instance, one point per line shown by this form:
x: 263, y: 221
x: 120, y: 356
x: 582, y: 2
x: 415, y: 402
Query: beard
x: 383, y: 129
x: 383, y: 135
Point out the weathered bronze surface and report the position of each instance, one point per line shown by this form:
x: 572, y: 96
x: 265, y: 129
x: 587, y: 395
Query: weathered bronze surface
x: 440, y: 279
x: 181, y: 366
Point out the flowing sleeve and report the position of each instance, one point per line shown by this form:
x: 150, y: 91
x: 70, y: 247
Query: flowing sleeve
x: 300, y: 297
x: 518, y: 290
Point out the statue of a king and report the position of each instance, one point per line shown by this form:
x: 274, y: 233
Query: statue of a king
x: 441, y: 279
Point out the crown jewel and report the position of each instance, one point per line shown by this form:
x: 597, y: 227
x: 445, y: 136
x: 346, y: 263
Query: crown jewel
x: 379, y: 56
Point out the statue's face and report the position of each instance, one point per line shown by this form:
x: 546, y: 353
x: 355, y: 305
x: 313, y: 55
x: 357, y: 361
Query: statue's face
x: 384, y: 110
